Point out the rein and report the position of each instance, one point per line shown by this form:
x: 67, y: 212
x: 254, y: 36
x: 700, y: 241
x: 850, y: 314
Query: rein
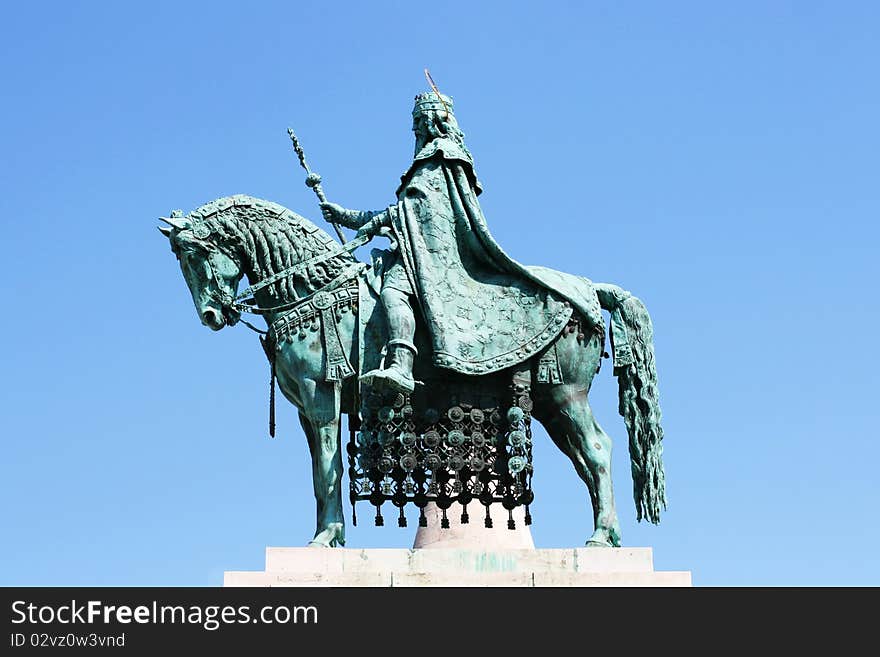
x: 346, y: 274
x: 250, y: 306
x: 245, y: 303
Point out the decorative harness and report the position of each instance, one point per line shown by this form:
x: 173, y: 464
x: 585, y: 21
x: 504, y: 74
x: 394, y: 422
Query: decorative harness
x: 244, y: 302
x: 321, y: 305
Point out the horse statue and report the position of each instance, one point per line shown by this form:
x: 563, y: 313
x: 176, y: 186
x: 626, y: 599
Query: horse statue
x: 320, y: 304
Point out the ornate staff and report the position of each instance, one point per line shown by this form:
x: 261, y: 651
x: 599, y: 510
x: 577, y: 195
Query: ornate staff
x: 313, y: 180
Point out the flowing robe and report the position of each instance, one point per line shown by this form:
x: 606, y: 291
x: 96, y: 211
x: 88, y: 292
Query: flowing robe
x: 484, y: 310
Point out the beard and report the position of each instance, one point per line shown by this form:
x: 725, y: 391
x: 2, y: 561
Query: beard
x: 422, y: 140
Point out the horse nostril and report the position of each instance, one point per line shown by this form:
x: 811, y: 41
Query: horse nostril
x: 210, y: 317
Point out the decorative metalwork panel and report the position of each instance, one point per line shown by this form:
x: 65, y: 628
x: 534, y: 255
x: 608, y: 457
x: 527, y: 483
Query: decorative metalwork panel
x: 410, y: 450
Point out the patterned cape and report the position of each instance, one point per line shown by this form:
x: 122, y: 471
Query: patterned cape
x: 484, y: 310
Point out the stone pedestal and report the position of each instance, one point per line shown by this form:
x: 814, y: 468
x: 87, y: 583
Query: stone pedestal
x: 450, y: 566
x: 474, y: 532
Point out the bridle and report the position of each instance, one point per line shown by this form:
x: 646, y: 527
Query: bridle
x: 244, y: 301
x: 232, y: 307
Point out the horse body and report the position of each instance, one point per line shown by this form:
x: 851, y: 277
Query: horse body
x: 300, y: 367
x: 225, y: 240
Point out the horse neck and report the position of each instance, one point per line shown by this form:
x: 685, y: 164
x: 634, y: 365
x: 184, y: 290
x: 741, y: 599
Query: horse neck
x: 265, y: 249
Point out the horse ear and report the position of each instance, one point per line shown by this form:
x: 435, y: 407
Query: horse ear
x: 165, y: 230
x: 180, y: 223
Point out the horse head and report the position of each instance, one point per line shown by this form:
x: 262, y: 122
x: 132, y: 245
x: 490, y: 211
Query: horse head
x: 212, y: 272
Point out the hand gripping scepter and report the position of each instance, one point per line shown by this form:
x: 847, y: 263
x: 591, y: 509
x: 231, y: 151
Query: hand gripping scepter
x: 313, y: 180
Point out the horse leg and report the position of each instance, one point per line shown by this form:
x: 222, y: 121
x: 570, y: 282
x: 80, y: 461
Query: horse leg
x: 321, y: 423
x: 569, y: 421
x: 565, y: 412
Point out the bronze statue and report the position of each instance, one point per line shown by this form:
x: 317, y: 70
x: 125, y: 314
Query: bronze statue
x: 440, y: 353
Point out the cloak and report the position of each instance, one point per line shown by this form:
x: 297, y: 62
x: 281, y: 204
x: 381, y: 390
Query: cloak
x: 484, y: 310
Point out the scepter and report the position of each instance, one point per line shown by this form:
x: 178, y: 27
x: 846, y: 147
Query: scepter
x: 313, y: 180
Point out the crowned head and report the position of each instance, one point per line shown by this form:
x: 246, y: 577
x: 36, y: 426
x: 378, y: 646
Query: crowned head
x: 432, y: 102
x: 433, y: 118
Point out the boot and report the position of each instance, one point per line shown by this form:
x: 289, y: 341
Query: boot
x: 397, y: 374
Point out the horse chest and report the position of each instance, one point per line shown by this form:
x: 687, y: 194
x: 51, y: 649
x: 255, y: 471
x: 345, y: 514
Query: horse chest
x: 299, y: 365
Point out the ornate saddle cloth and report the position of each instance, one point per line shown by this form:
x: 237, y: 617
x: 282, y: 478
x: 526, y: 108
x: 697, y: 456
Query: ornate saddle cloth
x: 322, y: 312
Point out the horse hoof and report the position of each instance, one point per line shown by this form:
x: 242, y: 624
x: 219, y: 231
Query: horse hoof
x: 328, y: 537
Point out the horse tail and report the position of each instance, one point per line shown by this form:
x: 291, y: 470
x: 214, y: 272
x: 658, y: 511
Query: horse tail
x: 632, y: 341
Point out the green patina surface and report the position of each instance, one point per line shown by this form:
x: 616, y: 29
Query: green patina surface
x: 445, y: 296
x: 490, y: 562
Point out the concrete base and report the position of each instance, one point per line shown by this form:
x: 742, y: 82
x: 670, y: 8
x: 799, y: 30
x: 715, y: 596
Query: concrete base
x: 458, y: 567
x: 473, y: 533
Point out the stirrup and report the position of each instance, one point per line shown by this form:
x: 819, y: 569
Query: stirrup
x: 387, y: 378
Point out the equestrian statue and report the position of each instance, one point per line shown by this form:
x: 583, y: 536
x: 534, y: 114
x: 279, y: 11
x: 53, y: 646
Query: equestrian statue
x: 440, y: 351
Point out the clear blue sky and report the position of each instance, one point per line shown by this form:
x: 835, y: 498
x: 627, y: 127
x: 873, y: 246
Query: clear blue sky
x: 719, y: 160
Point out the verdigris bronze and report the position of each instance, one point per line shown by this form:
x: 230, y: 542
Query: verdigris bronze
x: 492, y: 342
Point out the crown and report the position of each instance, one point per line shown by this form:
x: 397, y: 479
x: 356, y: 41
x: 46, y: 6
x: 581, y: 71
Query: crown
x: 432, y: 101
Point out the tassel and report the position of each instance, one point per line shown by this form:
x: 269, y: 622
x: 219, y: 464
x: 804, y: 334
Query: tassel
x: 528, y: 517
x: 423, y: 519
x: 511, y: 523
x: 488, y: 519
x: 444, y: 521
x: 380, y: 521
x: 272, y: 399
x: 465, y: 518
x: 401, y: 521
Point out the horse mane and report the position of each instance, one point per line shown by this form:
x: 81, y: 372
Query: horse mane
x: 269, y: 238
